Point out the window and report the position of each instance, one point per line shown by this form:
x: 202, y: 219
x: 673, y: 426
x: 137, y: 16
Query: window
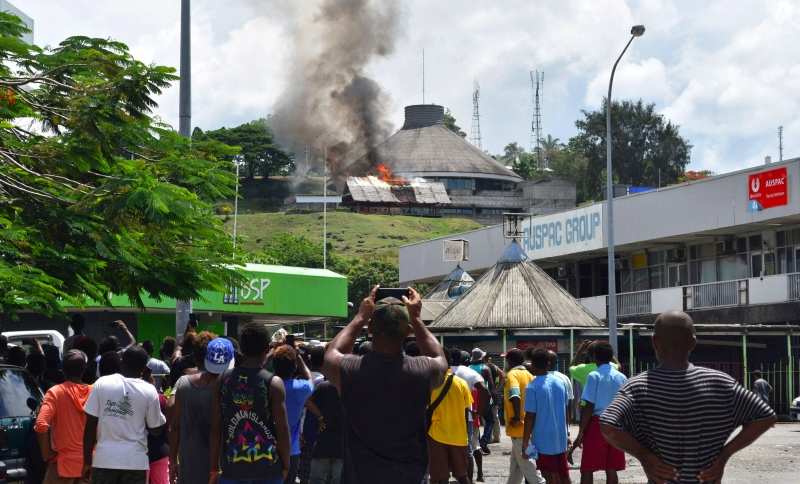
x: 493, y: 211
x: 457, y: 183
x: 457, y: 210
x: 702, y: 263
x: 481, y: 184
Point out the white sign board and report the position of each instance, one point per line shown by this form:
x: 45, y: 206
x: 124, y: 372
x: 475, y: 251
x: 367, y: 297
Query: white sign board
x: 564, y: 233
x: 456, y: 250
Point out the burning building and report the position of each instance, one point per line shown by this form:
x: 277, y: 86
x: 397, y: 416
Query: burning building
x: 394, y: 196
x: 476, y: 185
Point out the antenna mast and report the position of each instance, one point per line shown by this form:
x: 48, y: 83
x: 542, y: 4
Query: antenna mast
x: 780, y: 142
x: 423, y: 76
x: 475, y: 136
x: 537, y: 85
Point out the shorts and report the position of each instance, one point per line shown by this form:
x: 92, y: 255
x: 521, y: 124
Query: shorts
x: 445, y: 459
x: 553, y: 463
x: 598, y: 454
x: 475, y: 439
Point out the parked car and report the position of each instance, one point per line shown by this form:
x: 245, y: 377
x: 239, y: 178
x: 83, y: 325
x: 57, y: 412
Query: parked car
x: 794, y: 410
x: 44, y: 336
x: 20, y: 399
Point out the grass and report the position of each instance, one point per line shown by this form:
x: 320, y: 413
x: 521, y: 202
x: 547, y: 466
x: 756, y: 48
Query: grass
x: 351, y: 234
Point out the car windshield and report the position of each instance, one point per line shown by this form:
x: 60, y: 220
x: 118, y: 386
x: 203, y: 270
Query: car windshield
x: 16, y: 387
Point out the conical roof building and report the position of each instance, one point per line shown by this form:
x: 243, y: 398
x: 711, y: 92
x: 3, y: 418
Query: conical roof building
x: 452, y: 286
x: 515, y: 294
x: 478, y: 186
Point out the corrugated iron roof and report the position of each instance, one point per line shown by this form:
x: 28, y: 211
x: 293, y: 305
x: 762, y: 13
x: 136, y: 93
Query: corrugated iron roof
x: 515, y: 293
x: 452, y: 286
x: 432, y: 308
x: 374, y: 190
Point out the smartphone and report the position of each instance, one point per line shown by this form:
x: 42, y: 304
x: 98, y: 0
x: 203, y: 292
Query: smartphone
x: 193, y: 320
x: 290, y: 340
x: 113, y: 324
x: 395, y: 292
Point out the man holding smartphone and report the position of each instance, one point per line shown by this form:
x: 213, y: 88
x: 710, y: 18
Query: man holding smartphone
x: 385, y: 392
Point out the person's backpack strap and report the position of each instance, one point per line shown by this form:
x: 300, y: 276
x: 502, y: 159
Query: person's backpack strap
x: 432, y: 408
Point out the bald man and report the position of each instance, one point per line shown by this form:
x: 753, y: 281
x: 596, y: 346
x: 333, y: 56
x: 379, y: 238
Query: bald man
x: 676, y: 418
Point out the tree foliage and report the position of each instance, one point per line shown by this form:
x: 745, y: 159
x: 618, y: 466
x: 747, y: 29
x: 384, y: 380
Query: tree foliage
x: 259, y: 154
x: 450, y: 123
x: 96, y: 195
x: 695, y: 175
x: 644, y: 144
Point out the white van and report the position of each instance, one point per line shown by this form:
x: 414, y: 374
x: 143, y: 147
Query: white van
x: 43, y: 336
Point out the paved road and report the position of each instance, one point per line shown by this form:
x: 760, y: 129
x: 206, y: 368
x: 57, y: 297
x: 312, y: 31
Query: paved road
x: 774, y: 459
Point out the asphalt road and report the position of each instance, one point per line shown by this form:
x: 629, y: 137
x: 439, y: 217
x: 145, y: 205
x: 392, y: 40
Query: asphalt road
x: 773, y: 459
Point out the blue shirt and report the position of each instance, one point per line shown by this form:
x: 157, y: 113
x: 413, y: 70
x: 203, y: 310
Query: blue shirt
x: 297, y: 392
x: 546, y: 396
x: 602, y: 386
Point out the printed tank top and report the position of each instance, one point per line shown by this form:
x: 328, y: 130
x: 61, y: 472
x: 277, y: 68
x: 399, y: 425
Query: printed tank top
x: 248, y: 429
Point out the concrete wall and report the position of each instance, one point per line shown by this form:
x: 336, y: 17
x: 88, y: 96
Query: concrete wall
x: 548, y: 196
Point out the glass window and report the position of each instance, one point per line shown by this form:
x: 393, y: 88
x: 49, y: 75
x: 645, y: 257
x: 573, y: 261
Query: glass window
x: 755, y: 242
x: 706, y: 250
x: 756, y: 265
x: 457, y: 183
x: 708, y: 270
x: 741, y: 266
x: 741, y: 244
x: 16, y: 388
x: 481, y: 184
x: 655, y: 258
x: 656, y: 277
x: 640, y: 282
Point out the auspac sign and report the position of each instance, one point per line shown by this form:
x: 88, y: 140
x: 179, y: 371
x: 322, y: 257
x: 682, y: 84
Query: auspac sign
x: 564, y: 233
x: 768, y: 189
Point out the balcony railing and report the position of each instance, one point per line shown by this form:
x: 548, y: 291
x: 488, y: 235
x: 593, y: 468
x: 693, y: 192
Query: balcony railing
x: 715, y: 295
x: 794, y: 286
x: 632, y: 303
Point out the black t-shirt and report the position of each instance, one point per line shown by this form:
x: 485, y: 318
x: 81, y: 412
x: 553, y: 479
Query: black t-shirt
x: 383, y: 403
x: 330, y: 442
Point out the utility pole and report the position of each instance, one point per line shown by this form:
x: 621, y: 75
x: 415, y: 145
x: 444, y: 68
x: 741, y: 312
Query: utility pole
x: 184, y: 308
x: 780, y: 142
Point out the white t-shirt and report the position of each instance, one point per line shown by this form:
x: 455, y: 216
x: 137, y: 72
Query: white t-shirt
x: 158, y: 368
x: 124, y: 408
x: 471, y: 376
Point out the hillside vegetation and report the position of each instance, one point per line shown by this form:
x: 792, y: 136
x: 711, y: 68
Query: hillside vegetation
x: 350, y: 234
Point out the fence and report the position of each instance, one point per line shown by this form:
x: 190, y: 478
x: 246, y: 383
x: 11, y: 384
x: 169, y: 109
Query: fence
x: 776, y: 374
x: 633, y: 303
x: 794, y: 286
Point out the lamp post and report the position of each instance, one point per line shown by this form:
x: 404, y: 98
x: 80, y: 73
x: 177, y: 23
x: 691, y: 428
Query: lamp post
x: 325, y: 209
x: 636, y: 31
x: 236, y: 206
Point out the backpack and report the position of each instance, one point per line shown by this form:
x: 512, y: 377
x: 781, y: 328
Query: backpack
x: 432, y: 407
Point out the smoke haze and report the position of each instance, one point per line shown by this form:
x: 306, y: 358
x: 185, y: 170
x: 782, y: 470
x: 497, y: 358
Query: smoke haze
x: 329, y: 99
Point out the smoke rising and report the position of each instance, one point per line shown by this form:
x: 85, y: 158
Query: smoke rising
x: 330, y: 100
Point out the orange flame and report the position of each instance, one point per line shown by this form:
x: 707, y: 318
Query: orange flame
x: 386, y: 175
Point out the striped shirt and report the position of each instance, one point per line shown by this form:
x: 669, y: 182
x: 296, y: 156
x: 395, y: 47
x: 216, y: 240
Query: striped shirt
x: 684, y: 417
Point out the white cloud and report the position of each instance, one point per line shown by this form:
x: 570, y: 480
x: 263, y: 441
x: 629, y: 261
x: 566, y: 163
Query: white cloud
x: 724, y: 70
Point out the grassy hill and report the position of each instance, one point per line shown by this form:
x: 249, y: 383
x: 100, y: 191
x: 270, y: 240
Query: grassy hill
x: 352, y: 235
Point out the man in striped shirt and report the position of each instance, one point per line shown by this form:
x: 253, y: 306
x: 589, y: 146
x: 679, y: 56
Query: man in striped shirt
x: 677, y: 418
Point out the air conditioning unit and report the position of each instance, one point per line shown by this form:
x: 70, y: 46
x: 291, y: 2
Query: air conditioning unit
x: 725, y: 247
x: 622, y: 264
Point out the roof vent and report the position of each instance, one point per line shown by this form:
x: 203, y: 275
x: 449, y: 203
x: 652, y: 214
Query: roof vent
x: 423, y: 115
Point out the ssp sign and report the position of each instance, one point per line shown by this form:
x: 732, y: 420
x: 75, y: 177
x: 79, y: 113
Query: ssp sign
x: 768, y: 189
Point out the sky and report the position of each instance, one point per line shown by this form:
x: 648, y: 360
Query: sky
x: 725, y: 71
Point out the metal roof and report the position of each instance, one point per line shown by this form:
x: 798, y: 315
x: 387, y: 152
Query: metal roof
x: 514, y: 294
x: 452, y: 286
x: 374, y: 190
x: 432, y: 308
x: 426, y: 145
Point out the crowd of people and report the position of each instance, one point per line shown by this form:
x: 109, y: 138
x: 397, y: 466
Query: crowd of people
x: 268, y: 411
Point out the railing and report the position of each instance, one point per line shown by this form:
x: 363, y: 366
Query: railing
x: 715, y: 295
x: 794, y: 286
x: 632, y: 303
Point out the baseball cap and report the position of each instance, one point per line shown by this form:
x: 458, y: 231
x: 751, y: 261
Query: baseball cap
x: 219, y: 356
x: 75, y: 355
x: 477, y: 355
x: 390, y: 318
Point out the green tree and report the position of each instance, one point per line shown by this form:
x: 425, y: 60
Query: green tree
x: 643, y: 144
x: 568, y: 163
x: 450, y: 123
x: 259, y: 153
x: 97, y: 196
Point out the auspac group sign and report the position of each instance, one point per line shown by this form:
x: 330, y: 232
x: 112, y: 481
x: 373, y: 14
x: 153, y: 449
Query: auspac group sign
x: 564, y: 233
x: 768, y: 189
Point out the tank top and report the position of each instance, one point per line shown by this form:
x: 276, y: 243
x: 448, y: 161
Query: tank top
x: 195, y: 409
x: 248, y: 429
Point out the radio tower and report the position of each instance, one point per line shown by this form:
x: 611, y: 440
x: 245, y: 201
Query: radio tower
x: 475, y: 136
x: 537, y: 84
x: 780, y: 142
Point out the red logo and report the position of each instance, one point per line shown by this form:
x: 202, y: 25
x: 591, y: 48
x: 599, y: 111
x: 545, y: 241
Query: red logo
x: 768, y: 189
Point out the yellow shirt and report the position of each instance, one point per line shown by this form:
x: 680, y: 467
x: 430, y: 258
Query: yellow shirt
x: 448, y: 423
x: 516, y: 381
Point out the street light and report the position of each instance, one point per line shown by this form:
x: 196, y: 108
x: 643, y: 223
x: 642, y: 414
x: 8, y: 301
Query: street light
x: 236, y: 205
x: 636, y: 31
